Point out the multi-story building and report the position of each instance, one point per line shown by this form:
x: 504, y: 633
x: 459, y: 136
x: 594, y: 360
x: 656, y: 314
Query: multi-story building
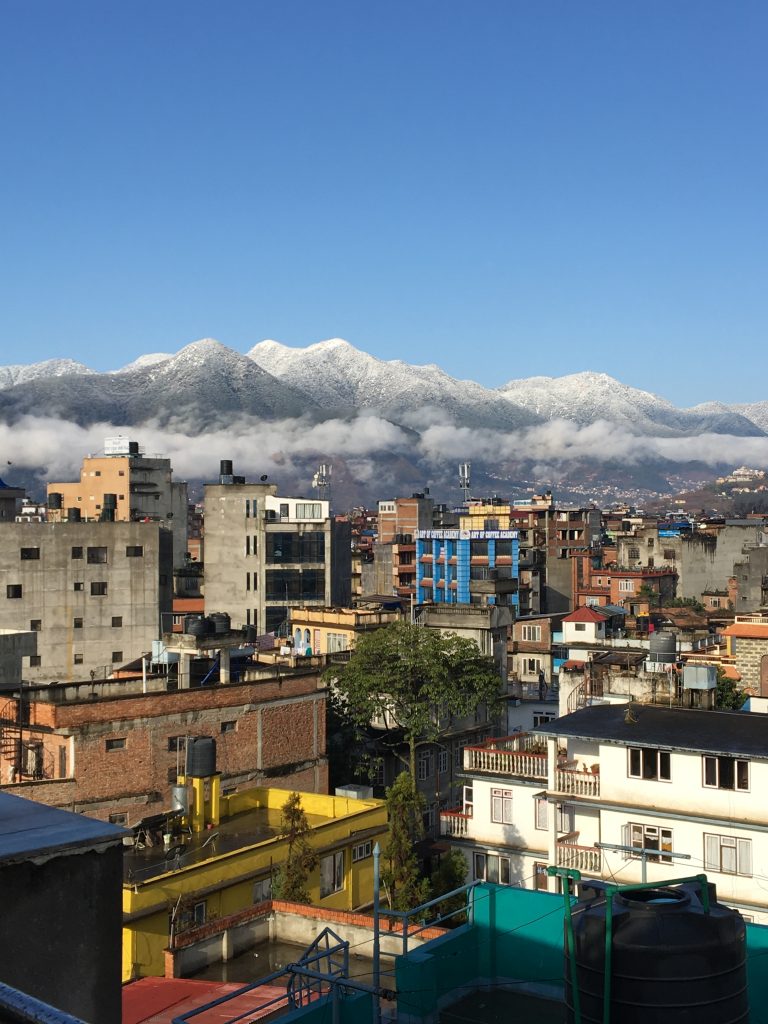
x: 392, y: 567
x: 93, y: 592
x: 113, y: 749
x: 125, y: 485
x: 333, y: 630
x: 266, y: 554
x: 618, y: 792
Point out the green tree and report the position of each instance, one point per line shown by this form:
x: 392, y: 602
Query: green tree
x: 728, y: 695
x: 412, y: 677
x: 450, y: 874
x: 405, y: 888
x: 291, y: 878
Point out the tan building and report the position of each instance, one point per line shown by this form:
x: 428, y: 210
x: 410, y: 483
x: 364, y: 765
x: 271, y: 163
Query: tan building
x: 330, y: 630
x: 129, y: 484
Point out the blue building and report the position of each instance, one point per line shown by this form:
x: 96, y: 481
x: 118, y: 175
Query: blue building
x: 467, y: 567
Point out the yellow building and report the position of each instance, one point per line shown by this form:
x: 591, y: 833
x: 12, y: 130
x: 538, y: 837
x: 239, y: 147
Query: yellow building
x: 329, y: 630
x: 229, y: 868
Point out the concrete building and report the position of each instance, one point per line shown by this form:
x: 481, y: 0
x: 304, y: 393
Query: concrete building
x: 15, y: 645
x: 93, y: 592
x: 265, y: 554
x: 664, y: 780
x: 331, y: 630
x: 60, y: 877
x: 133, y: 486
x: 746, y: 647
x: 113, y: 749
x: 213, y: 880
x: 11, y: 502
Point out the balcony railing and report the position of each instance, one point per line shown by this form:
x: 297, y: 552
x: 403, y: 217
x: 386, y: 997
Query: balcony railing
x: 577, y: 783
x: 454, y: 823
x: 19, y: 1008
x: 506, y: 762
x: 582, y: 858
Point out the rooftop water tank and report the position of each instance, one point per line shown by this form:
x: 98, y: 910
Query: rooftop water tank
x: 73, y: 515
x: 673, y: 961
x: 663, y: 647
x: 55, y: 499
x: 201, y: 757
x: 221, y: 622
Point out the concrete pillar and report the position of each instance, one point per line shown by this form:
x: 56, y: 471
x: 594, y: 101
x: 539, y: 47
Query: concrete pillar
x: 224, y: 675
x: 215, y: 799
x: 185, y: 663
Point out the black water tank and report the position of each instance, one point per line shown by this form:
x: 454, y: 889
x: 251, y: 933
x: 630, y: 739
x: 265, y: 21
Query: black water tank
x: 221, y: 622
x: 195, y: 625
x: 201, y: 757
x: 55, y: 499
x: 73, y: 515
x: 251, y: 634
x: 672, y: 963
x: 225, y: 467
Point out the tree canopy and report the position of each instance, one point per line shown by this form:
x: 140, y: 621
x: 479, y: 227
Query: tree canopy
x: 414, y: 679
x: 291, y: 878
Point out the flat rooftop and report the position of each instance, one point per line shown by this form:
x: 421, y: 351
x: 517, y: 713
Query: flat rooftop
x: 29, y: 829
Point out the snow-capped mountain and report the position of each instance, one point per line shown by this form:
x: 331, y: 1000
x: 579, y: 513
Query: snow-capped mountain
x: 150, y: 359
x: 587, y: 397
x: 10, y: 376
x: 341, y: 378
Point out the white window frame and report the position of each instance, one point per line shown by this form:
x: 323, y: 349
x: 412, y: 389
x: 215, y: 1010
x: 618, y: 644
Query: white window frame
x: 331, y: 873
x: 501, y: 806
x: 424, y: 766
x: 442, y: 762
x: 711, y: 763
x: 541, y: 813
x: 727, y: 855
x: 643, y: 837
x: 361, y: 851
x: 493, y: 867
x: 532, y: 634
x: 648, y: 753
x: 542, y: 718
x: 626, y: 586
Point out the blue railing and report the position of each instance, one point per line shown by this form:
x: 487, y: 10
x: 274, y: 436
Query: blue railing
x: 19, y: 1008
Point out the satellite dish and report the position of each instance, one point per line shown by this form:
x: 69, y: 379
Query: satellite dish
x: 263, y: 477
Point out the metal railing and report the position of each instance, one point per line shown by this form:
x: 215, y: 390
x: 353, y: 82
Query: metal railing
x: 19, y: 1008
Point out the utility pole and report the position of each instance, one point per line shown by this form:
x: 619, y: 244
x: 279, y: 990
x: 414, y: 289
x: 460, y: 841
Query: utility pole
x: 644, y: 853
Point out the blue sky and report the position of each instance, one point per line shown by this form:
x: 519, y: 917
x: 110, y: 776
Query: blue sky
x: 505, y: 188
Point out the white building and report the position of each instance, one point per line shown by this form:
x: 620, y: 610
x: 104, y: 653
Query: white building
x: 665, y: 780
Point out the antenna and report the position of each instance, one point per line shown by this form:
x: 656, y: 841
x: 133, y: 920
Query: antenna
x: 464, y: 479
x: 321, y: 481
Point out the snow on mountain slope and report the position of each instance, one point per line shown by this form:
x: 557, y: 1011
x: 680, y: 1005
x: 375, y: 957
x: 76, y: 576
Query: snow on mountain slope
x: 757, y: 412
x: 150, y: 359
x: 10, y: 376
x: 590, y: 396
x: 338, y: 376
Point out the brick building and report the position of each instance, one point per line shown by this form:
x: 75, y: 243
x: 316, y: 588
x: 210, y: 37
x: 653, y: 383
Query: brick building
x: 113, y: 752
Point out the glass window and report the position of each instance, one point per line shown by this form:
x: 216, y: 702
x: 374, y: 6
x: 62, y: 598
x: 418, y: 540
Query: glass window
x: 116, y: 744
x: 96, y: 556
x: 30, y: 554
x: 117, y: 621
x: 134, y: 551
x: 77, y: 623
x: 117, y: 657
x: 727, y: 855
x: 35, y: 625
x: 331, y: 873
x: 308, y: 510
x: 649, y: 837
x: 542, y: 812
x: 726, y: 773
x: 648, y: 763
x: 295, y: 548
x: 77, y: 552
x: 98, y: 589
x: 532, y: 633
x: 295, y: 584
x: 13, y: 591
x: 501, y: 806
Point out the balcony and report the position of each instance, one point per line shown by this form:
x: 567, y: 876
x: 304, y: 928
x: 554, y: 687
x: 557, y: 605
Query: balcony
x: 519, y: 755
x: 582, y: 858
x: 573, y: 782
x: 455, y: 824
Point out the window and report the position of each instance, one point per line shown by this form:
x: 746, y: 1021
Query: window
x: 541, y: 812
x: 542, y: 718
x: 199, y: 913
x: 133, y: 551
x: 336, y: 642
x: 177, y: 742
x: 96, y: 556
x: 424, y: 765
x: 13, y: 590
x: 228, y: 726
x: 501, y: 806
x: 490, y: 867
x: 307, y: 510
x: 728, y: 855
x: 117, y: 621
x: 77, y: 623
x: 580, y: 627
x: 77, y: 552
x: 531, y: 665
x: 566, y: 818
x: 30, y: 554
x: 118, y: 819
x: 649, y: 837
x: 442, y: 761
x: 78, y: 585
x: 646, y: 763
x: 726, y: 773
x: 35, y: 661
x: 331, y: 873
x: 116, y: 744
x: 99, y: 589
x: 77, y: 659
x: 35, y: 625
x: 361, y: 851
x: 262, y: 890
x: 627, y: 586
x: 117, y: 657
x: 532, y: 633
